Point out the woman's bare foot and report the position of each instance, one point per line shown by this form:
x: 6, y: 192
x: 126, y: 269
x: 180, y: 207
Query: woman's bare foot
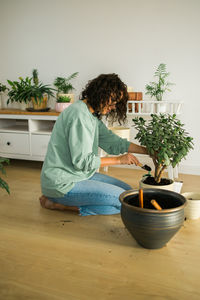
x: 46, y: 203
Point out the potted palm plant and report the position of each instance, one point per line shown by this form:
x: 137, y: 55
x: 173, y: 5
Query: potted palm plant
x: 167, y: 143
x: 64, y: 87
x: 30, y: 90
x: 38, y: 93
x: 158, y: 88
x: 3, y: 183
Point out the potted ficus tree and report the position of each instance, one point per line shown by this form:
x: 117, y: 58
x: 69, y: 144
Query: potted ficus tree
x: 3, y: 183
x: 64, y: 87
x: 156, y: 89
x: 167, y: 143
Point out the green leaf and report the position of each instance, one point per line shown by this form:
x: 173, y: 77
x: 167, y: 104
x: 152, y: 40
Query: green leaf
x: 4, y: 185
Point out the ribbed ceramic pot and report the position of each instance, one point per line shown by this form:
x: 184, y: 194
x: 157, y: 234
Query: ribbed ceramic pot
x: 40, y: 103
x: 60, y: 106
x: 152, y: 228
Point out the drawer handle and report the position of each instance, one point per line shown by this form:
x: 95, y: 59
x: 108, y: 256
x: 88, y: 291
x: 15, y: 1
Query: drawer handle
x: 8, y: 143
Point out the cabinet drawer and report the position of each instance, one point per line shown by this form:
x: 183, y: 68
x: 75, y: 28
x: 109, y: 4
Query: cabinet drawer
x: 39, y: 144
x: 15, y: 143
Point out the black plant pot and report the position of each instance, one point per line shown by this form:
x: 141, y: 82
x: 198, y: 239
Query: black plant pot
x: 152, y: 228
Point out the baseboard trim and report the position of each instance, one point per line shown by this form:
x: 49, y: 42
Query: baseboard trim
x: 192, y: 170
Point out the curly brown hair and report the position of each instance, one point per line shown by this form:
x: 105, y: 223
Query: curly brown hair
x: 98, y: 92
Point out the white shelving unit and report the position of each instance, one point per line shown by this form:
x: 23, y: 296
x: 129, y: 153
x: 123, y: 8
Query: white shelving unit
x: 146, y: 107
x: 25, y: 136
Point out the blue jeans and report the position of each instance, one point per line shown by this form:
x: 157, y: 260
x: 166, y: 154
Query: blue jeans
x: 98, y: 195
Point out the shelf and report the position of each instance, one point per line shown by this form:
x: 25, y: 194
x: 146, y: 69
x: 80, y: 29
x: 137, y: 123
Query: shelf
x: 143, y: 107
x: 14, y: 125
x: 47, y: 131
x: 17, y: 128
x: 146, y: 107
x: 13, y: 111
x: 41, y: 126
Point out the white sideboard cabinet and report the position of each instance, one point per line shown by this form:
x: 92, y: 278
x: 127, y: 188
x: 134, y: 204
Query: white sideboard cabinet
x: 25, y: 135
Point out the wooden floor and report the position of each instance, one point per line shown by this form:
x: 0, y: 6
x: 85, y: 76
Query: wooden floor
x: 50, y: 255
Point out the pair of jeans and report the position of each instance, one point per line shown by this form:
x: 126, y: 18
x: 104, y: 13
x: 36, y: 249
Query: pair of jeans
x: 99, y: 195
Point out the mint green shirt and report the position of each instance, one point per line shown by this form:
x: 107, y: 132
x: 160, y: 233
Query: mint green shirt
x: 72, y: 153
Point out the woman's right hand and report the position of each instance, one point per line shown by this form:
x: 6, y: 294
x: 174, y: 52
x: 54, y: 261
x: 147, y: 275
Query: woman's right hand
x: 125, y: 159
x: 128, y: 159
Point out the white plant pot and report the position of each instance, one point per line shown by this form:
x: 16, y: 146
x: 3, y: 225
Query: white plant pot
x: 59, y: 107
x: 1, y: 100
x: 178, y: 186
x: 169, y: 187
x: 192, y: 209
x: 161, y: 107
x: 123, y: 132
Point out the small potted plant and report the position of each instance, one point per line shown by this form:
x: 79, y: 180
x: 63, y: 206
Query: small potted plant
x: 3, y: 183
x: 64, y: 87
x: 158, y: 88
x: 62, y: 102
x: 30, y: 89
x: 3, y: 89
x: 167, y: 143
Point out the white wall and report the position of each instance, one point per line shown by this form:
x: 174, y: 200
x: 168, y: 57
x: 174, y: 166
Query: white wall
x: 129, y: 37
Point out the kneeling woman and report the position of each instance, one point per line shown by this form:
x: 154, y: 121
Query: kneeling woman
x: 69, y: 180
